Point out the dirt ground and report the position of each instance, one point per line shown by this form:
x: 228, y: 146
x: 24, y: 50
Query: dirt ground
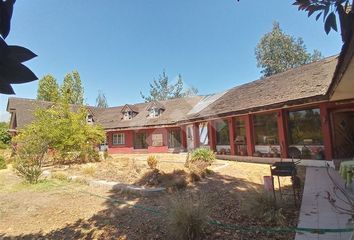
x: 64, y: 210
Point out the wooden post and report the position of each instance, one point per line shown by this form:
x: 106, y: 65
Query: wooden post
x: 326, y: 131
x: 211, y: 135
x: 249, y: 134
x: 231, y: 125
x: 282, y: 119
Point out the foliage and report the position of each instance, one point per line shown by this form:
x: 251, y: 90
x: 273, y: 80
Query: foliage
x: 328, y: 9
x: 2, y: 163
x: 187, y: 218
x: 66, y: 132
x: 5, y: 137
x: 152, y: 161
x: 12, y: 57
x: 48, y: 89
x: 101, y: 100
x: 60, y: 175
x: 261, y: 204
x: 203, y: 154
x: 31, y: 149
x: 277, y: 52
x: 161, y: 89
x: 72, y: 90
x: 89, y: 170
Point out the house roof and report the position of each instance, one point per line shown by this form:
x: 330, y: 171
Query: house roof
x: 306, y: 83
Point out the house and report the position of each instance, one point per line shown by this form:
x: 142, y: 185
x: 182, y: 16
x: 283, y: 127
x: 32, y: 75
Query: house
x: 294, y: 113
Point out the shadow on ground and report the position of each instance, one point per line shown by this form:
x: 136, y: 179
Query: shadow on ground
x: 144, y: 216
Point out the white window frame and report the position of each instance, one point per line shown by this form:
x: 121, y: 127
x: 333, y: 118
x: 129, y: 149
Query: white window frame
x: 118, y: 139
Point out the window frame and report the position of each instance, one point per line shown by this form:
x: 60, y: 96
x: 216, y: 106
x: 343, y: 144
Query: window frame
x: 119, y: 136
x: 276, y: 133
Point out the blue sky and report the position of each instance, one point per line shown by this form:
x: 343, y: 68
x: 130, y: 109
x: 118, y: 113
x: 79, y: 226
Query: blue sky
x: 119, y: 46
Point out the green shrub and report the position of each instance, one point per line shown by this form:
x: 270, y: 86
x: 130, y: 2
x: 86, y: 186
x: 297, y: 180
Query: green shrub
x: 187, y: 219
x: 3, y: 145
x: 202, y: 154
x: 261, y: 204
x: 29, y: 159
x: 2, y: 163
x: 152, y: 162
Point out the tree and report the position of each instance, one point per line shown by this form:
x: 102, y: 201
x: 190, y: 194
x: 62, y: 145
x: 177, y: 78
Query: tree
x: 48, y: 89
x: 65, y: 131
x: 277, y: 52
x: 328, y: 9
x: 71, y: 89
x: 161, y: 89
x: 101, y: 100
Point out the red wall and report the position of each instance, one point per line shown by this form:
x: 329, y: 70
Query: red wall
x: 128, y: 147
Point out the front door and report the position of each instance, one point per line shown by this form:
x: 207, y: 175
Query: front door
x: 190, y: 137
x: 343, y: 134
x: 140, y: 141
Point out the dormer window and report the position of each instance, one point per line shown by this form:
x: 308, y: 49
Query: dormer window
x: 127, y: 115
x: 155, y: 109
x: 154, y: 112
x: 89, y: 118
x: 129, y: 111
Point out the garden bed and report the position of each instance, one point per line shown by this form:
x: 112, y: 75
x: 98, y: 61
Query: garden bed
x: 125, y: 215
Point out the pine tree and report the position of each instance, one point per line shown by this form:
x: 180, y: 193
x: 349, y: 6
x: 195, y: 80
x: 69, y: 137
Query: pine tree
x: 101, y: 100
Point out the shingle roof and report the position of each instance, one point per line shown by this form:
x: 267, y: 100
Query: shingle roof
x: 306, y: 83
x: 303, y: 84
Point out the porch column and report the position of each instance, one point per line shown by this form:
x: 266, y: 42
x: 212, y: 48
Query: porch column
x: 282, y: 119
x: 249, y: 134
x: 183, y: 137
x: 211, y: 135
x: 196, y: 135
x: 231, y: 124
x: 326, y: 131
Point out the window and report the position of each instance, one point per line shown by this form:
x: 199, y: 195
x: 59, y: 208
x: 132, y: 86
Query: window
x: 127, y: 115
x: 266, y: 129
x: 174, y: 138
x: 90, y: 118
x: 305, y: 127
x: 154, y: 112
x: 157, y: 140
x: 118, y: 139
x: 222, y: 133
x: 203, y: 134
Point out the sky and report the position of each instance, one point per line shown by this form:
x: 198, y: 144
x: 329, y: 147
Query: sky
x: 119, y: 46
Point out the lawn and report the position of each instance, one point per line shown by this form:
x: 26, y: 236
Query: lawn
x: 61, y: 209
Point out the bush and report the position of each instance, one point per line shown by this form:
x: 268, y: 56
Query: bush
x: 89, y: 170
x: 29, y: 159
x: 200, y: 159
x: 152, y: 162
x: 203, y: 154
x: 2, y: 163
x: 60, y: 175
x: 187, y: 218
x: 261, y: 204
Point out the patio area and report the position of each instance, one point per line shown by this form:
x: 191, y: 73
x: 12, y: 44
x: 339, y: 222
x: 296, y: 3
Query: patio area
x: 317, y: 211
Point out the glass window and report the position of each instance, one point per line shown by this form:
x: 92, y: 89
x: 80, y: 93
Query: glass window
x: 305, y: 127
x: 265, y: 128
x: 154, y: 112
x: 128, y: 115
x: 222, y: 133
x: 174, y: 139
x: 203, y: 134
x: 118, y: 139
